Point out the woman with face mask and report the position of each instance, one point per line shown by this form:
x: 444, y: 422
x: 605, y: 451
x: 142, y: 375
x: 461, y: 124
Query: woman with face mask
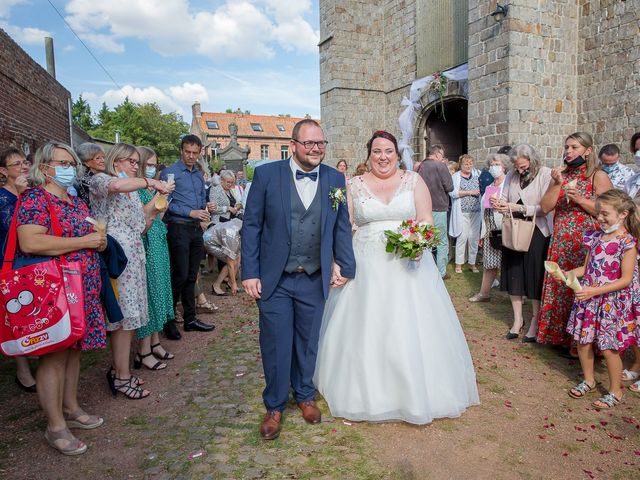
x: 151, y: 354
x: 491, y: 225
x: 53, y: 172
x: 522, y: 273
x: 114, y: 198
x: 572, y: 195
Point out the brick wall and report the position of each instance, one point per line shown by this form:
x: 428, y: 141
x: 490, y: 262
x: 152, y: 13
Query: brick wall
x: 33, y: 106
x: 609, y: 69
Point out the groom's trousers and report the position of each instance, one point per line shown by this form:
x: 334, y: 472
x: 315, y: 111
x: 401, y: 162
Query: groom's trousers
x: 289, y: 329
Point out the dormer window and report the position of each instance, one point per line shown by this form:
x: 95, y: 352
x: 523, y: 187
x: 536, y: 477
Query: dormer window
x: 256, y: 127
x: 281, y: 128
x: 212, y: 125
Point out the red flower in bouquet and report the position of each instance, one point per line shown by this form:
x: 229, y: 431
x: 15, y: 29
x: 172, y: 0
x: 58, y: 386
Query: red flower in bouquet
x: 411, y: 238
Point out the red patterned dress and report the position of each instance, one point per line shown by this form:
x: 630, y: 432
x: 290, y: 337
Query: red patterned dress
x: 567, y: 250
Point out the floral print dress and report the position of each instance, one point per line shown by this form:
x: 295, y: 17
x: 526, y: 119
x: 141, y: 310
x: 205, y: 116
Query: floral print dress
x: 569, y: 252
x: 159, y: 292
x: 125, y: 223
x: 34, y: 210
x: 606, y: 320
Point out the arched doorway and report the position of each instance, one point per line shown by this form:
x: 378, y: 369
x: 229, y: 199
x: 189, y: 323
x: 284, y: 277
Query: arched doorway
x: 448, y: 130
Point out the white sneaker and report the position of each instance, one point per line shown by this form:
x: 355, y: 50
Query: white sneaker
x: 496, y: 283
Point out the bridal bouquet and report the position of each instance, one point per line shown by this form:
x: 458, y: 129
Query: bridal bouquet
x: 411, y: 238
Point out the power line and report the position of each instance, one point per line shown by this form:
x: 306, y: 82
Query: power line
x: 85, y: 45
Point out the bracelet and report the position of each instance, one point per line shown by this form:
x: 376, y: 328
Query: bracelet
x: 146, y: 182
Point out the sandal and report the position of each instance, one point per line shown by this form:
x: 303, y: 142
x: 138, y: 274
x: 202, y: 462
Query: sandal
x: 478, y: 297
x: 635, y: 387
x: 458, y: 269
x: 608, y: 401
x: 207, y: 307
x: 137, y: 362
x: 474, y: 269
x: 581, y: 389
x: 111, y: 375
x: 64, y: 442
x: 220, y: 293
x: 630, y: 375
x: 166, y: 356
x: 129, y: 389
x: 81, y: 419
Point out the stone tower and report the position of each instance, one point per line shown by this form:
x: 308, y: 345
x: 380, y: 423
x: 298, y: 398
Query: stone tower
x: 549, y: 68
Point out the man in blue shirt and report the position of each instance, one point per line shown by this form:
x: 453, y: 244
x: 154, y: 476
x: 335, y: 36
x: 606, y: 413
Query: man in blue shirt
x: 187, y: 208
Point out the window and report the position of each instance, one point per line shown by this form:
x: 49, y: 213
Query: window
x: 284, y: 152
x: 264, y: 152
x: 256, y: 127
x: 212, y: 125
x: 281, y: 128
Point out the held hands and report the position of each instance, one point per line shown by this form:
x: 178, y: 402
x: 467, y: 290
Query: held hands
x: 202, y: 215
x: 21, y: 183
x: 586, y: 293
x: 337, y: 280
x: 96, y: 241
x: 253, y: 287
x: 162, y: 187
x: 211, y: 206
x: 556, y: 175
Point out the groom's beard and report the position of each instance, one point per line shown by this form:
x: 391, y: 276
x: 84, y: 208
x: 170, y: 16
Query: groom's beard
x: 308, y: 162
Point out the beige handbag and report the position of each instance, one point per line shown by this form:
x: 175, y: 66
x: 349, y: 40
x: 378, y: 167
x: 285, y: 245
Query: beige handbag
x: 517, y: 232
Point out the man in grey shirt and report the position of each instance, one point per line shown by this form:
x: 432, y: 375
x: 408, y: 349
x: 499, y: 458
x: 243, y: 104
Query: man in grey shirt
x: 437, y: 177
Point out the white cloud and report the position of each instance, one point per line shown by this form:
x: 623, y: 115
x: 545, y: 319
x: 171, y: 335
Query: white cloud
x: 247, y: 28
x: 6, y: 5
x: 26, y: 35
x: 176, y: 98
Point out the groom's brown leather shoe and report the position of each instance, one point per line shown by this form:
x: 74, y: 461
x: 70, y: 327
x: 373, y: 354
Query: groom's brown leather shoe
x: 310, y: 412
x: 270, y: 428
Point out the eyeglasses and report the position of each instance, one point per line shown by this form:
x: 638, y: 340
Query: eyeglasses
x: 309, y: 144
x: 23, y: 163
x: 132, y: 161
x: 65, y: 163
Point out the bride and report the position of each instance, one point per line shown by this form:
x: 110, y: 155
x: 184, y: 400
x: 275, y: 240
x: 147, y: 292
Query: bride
x: 391, y: 346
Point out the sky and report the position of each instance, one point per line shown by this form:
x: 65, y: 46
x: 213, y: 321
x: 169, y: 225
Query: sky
x: 257, y: 55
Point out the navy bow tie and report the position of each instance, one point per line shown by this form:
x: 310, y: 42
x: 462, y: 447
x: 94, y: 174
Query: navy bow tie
x: 312, y: 175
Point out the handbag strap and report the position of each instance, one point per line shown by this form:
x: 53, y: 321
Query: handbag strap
x: 12, y: 236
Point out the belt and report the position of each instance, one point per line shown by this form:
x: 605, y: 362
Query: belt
x: 179, y: 221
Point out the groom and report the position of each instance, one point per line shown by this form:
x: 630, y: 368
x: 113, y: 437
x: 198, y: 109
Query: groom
x: 294, y: 246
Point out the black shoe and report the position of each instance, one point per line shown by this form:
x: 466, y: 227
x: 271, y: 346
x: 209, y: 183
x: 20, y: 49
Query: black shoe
x: 26, y: 388
x: 526, y: 339
x: 511, y: 336
x: 171, y: 331
x: 197, y: 326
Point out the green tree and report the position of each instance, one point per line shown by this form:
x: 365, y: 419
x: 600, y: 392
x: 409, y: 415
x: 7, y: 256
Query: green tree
x: 81, y: 114
x: 143, y: 124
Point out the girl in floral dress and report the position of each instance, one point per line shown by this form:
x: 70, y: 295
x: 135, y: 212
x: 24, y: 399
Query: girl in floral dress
x: 572, y: 195
x: 602, y: 316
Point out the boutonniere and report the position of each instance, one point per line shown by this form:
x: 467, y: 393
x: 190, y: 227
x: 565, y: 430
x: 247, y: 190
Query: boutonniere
x: 337, y: 196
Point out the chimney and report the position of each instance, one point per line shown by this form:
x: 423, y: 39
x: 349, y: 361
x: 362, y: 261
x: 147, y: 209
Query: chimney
x: 195, y: 109
x: 51, y: 61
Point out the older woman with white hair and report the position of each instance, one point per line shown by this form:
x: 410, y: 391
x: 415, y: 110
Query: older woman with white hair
x: 91, y: 156
x: 228, y: 207
x: 491, y: 226
x: 522, y: 273
x: 464, y: 223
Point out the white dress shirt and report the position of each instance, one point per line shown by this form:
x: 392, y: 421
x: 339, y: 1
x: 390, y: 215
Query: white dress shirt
x: 305, y: 186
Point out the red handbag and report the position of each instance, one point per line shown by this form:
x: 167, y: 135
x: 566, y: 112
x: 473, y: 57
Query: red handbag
x: 42, y: 304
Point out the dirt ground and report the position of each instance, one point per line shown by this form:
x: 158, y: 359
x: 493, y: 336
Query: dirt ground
x: 202, y: 418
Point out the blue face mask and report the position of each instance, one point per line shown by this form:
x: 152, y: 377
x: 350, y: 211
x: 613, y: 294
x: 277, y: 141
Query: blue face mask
x: 150, y: 172
x: 609, y: 168
x: 65, y: 176
x: 121, y: 174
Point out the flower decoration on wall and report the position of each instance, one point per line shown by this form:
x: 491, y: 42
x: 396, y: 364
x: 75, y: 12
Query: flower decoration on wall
x: 438, y: 86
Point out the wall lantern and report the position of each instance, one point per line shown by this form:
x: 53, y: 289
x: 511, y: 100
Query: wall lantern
x: 500, y: 12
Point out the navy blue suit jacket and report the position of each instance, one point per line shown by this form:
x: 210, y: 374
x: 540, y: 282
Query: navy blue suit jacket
x: 266, y: 227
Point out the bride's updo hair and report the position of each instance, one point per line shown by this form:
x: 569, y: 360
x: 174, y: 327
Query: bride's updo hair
x: 385, y: 135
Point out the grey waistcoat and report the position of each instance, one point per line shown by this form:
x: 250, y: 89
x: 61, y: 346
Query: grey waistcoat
x: 305, y: 233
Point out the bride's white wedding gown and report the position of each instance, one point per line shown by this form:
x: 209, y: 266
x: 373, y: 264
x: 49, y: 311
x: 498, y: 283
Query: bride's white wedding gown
x: 391, y: 346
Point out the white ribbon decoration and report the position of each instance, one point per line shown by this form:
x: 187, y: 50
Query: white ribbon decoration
x: 412, y: 105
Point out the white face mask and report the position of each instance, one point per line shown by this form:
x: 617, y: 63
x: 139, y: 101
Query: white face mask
x: 612, y: 228
x: 496, y: 171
